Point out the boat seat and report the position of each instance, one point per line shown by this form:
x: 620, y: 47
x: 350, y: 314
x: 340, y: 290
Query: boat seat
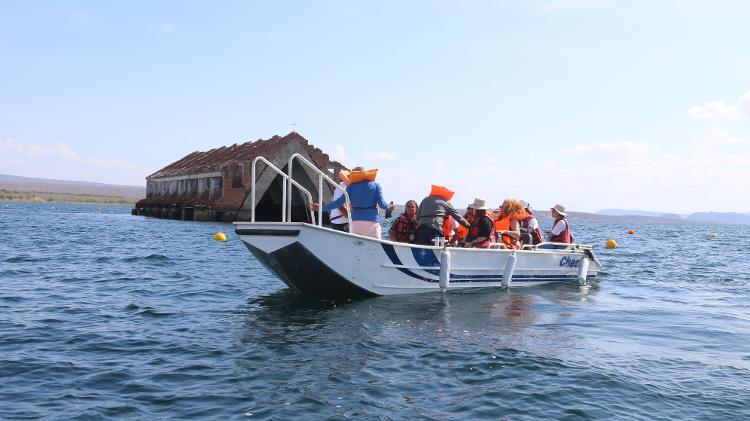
x: 526, y: 238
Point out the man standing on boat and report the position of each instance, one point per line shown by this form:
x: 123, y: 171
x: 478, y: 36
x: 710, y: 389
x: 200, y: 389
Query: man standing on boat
x: 366, y: 196
x: 432, y: 212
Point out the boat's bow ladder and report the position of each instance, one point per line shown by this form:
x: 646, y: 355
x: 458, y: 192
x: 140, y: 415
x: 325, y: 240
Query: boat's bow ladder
x: 289, y: 183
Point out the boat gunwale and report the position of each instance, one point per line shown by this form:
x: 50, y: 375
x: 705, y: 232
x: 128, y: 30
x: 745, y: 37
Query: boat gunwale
x: 578, y: 248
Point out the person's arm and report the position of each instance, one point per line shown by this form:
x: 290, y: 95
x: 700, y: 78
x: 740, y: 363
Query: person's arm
x: 515, y: 230
x: 450, y: 210
x: 558, y: 227
x: 335, y: 204
x: 475, y: 241
x: 392, y: 230
x: 485, y: 229
x: 379, y: 198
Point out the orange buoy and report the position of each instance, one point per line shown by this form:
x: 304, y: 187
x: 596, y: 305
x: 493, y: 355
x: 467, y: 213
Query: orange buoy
x: 631, y: 231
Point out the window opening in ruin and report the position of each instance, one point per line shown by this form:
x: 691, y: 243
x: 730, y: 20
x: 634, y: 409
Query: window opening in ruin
x: 237, y: 177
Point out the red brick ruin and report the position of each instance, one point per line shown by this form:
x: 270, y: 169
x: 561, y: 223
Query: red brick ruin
x: 211, y: 185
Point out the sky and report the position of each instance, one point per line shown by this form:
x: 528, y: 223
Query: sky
x: 590, y: 104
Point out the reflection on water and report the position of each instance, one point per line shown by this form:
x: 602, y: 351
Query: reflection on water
x: 392, y: 349
x: 489, y: 318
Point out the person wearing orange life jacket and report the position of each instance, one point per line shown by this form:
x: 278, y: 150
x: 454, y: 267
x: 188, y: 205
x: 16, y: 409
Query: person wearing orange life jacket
x: 449, y: 228
x: 481, y: 232
x: 560, y: 232
x: 432, y: 212
x: 366, y: 196
x: 461, y: 231
x: 507, y: 227
x: 530, y: 226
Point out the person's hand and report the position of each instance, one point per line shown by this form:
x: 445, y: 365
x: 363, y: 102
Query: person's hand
x: 314, y: 207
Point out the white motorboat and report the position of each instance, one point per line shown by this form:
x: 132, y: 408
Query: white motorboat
x: 325, y: 262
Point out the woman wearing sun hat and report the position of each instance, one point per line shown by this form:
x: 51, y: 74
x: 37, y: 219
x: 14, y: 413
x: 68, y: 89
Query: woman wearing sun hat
x: 560, y: 232
x: 482, y: 231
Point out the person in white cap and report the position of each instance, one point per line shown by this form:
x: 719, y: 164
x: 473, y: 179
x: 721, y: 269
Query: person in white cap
x: 530, y: 225
x: 560, y: 232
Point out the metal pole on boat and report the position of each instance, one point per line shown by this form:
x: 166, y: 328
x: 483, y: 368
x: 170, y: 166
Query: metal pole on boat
x: 510, y: 266
x: 583, y: 271
x: 252, y: 194
x: 445, y: 269
x: 289, y: 187
x: 320, y: 199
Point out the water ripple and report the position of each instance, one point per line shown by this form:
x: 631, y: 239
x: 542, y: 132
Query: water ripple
x: 156, y: 320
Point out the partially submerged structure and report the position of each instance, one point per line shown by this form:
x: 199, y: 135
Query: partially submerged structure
x: 211, y: 185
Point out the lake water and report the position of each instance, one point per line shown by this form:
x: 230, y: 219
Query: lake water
x: 107, y: 315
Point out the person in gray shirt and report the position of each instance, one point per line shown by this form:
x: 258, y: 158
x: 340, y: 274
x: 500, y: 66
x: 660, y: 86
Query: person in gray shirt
x: 431, y: 215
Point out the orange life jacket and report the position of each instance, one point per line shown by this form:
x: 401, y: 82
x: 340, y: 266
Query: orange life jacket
x: 461, y: 233
x: 351, y: 177
x: 442, y: 191
x: 447, y: 227
x: 503, y: 224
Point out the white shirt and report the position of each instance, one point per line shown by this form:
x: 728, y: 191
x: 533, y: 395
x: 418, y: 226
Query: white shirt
x: 335, y: 213
x: 533, y: 223
x: 559, y: 227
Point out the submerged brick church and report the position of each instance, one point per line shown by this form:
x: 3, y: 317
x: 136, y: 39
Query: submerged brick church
x: 211, y: 185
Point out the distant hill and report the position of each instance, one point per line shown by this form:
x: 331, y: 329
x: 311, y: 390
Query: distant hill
x: 43, y: 185
x: 720, y: 217
x: 714, y: 217
x: 626, y: 212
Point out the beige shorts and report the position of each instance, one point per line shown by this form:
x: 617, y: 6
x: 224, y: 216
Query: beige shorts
x: 367, y: 228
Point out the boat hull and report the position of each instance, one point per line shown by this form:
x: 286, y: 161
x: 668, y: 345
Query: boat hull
x: 324, y: 262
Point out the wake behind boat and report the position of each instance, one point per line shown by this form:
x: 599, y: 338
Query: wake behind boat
x: 324, y: 262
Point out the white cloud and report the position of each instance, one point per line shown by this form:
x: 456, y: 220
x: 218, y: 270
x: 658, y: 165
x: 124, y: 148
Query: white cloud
x: 569, y: 6
x: 629, y: 149
x: 60, y: 161
x: 384, y: 156
x: 721, y: 136
x: 339, y: 154
x: 720, y: 110
x: 439, y: 166
x: 61, y: 149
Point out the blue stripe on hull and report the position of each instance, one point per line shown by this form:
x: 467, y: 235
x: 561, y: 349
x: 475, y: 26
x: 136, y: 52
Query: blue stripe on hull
x: 428, y: 258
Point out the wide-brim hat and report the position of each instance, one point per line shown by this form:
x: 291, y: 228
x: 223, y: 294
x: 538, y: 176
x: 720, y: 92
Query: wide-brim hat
x: 559, y: 209
x: 479, y: 204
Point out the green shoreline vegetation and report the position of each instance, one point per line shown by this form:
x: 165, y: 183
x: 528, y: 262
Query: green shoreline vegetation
x: 48, y: 197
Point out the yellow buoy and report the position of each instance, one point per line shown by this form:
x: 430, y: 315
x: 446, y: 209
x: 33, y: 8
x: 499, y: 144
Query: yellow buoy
x: 220, y: 236
x: 631, y: 231
x: 611, y: 244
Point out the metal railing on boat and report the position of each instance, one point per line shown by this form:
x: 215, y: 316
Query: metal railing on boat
x: 289, y: 183
x: 321, y: 176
